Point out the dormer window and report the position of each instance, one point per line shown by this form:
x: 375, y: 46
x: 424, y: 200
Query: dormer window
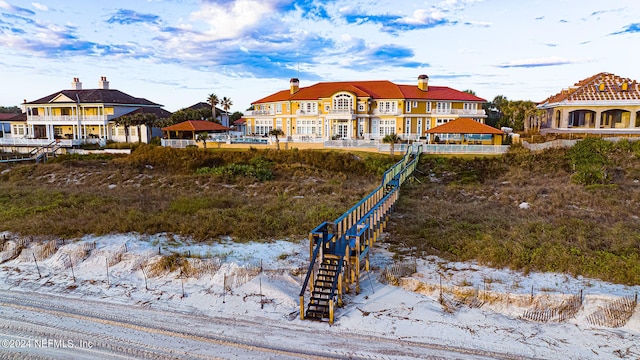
x: 602, y: 87
x: 624, y: 86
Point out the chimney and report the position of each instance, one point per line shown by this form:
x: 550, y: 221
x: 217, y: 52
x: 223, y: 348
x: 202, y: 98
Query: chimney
x: 103, y: 83
x: 76, y: 84
x: 423, y: 82
x: 294, y: 85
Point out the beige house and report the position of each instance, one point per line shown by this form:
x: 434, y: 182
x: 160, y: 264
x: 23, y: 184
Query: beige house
x: 601, y: 104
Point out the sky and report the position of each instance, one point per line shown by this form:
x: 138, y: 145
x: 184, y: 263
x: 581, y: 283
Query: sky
x: 177, y: 52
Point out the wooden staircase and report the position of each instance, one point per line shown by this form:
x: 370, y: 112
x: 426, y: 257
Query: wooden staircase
x: 318, y: 307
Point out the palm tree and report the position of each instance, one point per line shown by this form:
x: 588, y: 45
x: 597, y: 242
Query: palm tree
x: 226, y: 105
x: 213, y: 101
x: 127, y: 121
x: 276, y: 133
x: 203, y: 136
x: 391, y: 139
x: 149, y: 121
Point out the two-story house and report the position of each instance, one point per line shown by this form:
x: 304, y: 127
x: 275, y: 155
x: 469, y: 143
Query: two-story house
x: 361, y: 110
x: 80, y: 115
x: 601, y: 104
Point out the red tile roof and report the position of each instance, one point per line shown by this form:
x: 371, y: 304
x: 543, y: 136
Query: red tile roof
x: 377, y: 89
x: 588, y: 90
x: 240, y: 121
x: 464, y: 126
x: 196, y: 125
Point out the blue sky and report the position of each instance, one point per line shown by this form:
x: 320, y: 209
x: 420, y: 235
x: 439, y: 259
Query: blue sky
x: 176, y: 52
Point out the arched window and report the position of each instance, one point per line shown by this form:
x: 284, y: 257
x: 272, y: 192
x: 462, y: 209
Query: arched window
x: 342, y: 102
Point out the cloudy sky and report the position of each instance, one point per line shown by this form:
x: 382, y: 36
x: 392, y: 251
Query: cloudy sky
x: 176, y: 52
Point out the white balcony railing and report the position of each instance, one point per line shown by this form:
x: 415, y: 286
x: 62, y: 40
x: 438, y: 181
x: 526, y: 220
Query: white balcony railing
x: 478, y: 112
x: 305, y: 112
x: 66, y: 118
x: 341, y: 111
x: 261, y: 112
x: 386, y: 112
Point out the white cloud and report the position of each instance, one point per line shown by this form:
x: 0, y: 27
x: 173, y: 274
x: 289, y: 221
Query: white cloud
x: 424, y: 17
x: 39, y: 6
x: 5, y: 5
x: 230, y: 21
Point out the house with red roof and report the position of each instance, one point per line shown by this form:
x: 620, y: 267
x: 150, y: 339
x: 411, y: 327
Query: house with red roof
x: 361, y: 109
x: 466, y: 131
x: 601, y: 104
x: 189, y: 130
x: 75, y: 116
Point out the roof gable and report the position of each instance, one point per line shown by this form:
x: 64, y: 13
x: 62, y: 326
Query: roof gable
x: 61, y: 98
x: 464, y: 126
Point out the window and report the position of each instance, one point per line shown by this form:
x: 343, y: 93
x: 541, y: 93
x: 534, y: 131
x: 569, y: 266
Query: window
x: 387, y: 127
x: 279, y: 124
x: 408, y: 107
x: 428, y: 106
x: 360, y: 127
x: 442, y: 121
x: 360, y: 107
x: 342, y: 102
x: 263, y: 126
x: 387, y: 107
x: 415, y: 104
x: 57, y: 131
x: 443, y: 107
x: 419, y: 127
x: 308, y: 127
x: 278, y: 108
x: 407, y: 126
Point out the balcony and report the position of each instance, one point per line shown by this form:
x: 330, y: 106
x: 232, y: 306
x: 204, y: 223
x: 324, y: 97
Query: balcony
x: 307, y: 113
x: 386, y: 112
x: 66, y: 118
x: 261, y: 113
x: 348, y: 111
x: 472, y: 112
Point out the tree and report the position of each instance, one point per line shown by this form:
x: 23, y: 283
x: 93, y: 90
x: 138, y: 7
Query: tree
x: 469, y: 91
x: 391, y: 139
x: 276, y: 133
x: 150, y: 121
x: 10, y: 110
x: 213, y: 100
x: 203, y: 136
x: 127, y: 121
x: 226, y: 104
x: 235, y: 116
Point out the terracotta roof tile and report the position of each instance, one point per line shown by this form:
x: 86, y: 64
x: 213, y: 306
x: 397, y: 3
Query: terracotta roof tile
x: 588, y: 90
x: 196, y: 125
x: 464, y: 126
x: 376, y: 89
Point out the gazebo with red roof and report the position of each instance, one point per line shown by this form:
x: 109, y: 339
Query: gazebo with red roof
x: 466, y: 131
x: 190, y: 128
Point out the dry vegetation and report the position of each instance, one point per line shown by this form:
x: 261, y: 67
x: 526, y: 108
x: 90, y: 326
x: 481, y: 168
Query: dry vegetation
x: 583, y: 215
x: 164, y: 190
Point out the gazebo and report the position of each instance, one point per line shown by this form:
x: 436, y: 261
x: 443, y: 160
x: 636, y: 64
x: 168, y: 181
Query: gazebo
x: 191, y: 128
x: 465, y: 131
